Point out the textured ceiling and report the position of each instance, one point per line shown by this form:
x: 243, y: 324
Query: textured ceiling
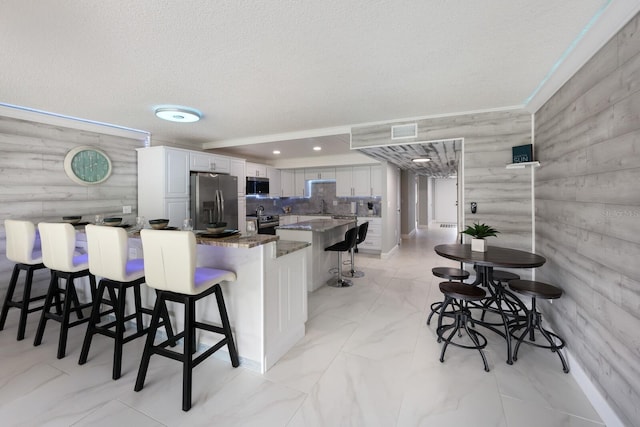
x: 268, y: 67
x: 444, y: 156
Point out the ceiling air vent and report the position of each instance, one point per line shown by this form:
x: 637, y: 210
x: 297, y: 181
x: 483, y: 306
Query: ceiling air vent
x: 404, y: 131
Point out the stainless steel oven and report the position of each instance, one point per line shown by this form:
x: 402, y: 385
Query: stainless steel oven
x: 267, y: 224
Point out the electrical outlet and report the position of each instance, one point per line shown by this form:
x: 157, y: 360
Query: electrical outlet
x: 361, y: 202
x: 274, y: 203
x: 126, y: 209
x: 335, y: 203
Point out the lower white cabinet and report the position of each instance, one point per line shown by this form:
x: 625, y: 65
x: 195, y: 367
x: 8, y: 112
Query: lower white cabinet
x: 373, y: 241
x: 176, y: 211
x: 311, y: 217
x: 285, y: 303
x: 288, y: 219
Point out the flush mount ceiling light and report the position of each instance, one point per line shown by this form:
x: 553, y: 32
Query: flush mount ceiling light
x: 421, y: 160
x: 178, y: 114
x: 317, y: 148
x: 276, y: 151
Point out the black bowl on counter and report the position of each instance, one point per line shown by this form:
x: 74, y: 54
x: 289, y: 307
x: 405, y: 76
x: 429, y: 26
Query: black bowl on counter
x: 216, y: 227
x: 72, y: 219
x: 158, y: 224
x: 112, y: 221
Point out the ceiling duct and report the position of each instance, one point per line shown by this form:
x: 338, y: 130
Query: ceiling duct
x: 404, y: 131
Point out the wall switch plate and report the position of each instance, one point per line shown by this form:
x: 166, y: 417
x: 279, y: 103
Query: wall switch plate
x: 335, y: 203
x: 126, y: 209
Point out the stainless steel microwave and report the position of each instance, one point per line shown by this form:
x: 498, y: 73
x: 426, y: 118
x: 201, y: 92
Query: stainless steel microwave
x: 257, y: 185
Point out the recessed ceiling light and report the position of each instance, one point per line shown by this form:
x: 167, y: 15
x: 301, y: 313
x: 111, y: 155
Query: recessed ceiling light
x: 421, y: 160
x: 317, y: 148
x: 178, y: 114
x: 276, y: 151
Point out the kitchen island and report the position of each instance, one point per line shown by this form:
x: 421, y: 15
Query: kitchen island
x: 266, y: 304
x: 321, y: 233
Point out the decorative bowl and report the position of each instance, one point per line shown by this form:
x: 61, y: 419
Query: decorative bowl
x: 73, y: 219
x: 217, y: 227
x: 158, y: 224
x: 113, y: 221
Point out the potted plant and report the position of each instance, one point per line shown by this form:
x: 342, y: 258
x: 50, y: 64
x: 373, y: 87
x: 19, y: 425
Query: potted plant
x: 478, y: 232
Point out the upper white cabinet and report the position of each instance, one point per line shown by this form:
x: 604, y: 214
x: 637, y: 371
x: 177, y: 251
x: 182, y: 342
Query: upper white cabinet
x: 275, y: 186
x: 359, y: 181
x: 300, y: 185
x: 204, y: 162
x: 163, y: 184
x: 176, y: 174
x: 320, y: 173
x: 287, y: 182
x: 292, y: 183
x: 376, y: 180
x: 256, y: 170
x: 238, y: 169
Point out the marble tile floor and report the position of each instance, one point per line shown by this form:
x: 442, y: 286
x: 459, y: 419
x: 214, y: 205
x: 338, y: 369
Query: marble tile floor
x: 368, y: 359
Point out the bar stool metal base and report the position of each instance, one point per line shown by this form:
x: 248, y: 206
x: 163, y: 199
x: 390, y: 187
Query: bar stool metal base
x: 27, y: 299
x: 534, y: 322
x: 448, y: 273
x: 339, y: 281
x: 116, y: 328
x: 336, y: 282
x: 190, y: 325
x: 461, y: 294
x: 70, y: 299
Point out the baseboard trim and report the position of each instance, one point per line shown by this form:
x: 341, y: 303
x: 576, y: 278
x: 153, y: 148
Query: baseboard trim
x: 600, y: 404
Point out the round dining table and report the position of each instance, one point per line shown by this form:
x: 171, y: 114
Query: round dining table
x: 483, y: 263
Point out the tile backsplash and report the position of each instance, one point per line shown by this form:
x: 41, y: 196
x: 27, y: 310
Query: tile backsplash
x: 320, y: 191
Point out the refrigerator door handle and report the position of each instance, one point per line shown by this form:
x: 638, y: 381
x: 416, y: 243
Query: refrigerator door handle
x: 222, y: 216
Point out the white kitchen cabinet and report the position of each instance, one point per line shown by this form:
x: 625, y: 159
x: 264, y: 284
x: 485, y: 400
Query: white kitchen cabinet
x: 344, y: 188
x: 302, y: 218
x: 176, y: 211
x: 205, y: 162
x: 242, y: 214
x: 376, y: 180
x: 373, y: 241
x: 292, y: 182
x: 163, y: 184
x: 300, y: 188
x: 256, y: 170
x: 287, y: 182
x: 285, y: 303
x: 320, y: 173
x: 356, y: 181
x: 238, y: 169
x: 361, y: 180
x: 288, y: 219
x: 275, y: 187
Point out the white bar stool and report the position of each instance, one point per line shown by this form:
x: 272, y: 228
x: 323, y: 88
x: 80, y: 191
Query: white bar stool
x: 59, y: 255
x: 170, y: 267
x: 21, y: 249
x: 108, y: 259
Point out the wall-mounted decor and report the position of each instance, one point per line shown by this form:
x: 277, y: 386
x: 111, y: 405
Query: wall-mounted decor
x: 87, y: 165
x: 522, y: 153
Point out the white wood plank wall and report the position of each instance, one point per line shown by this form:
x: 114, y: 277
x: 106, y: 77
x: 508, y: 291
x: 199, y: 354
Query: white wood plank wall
x: 34, y: 186
x: 503, y: 196
x: 588, y: 217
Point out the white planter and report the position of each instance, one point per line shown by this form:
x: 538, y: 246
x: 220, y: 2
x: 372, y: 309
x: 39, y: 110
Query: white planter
x: 479, y: 245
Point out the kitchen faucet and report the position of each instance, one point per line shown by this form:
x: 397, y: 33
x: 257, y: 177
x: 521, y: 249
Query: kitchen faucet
x: 323, y: 206
x: 259, y: 210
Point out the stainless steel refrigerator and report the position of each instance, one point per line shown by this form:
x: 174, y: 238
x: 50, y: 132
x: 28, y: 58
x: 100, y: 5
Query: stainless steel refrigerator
x: 214, y: 198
